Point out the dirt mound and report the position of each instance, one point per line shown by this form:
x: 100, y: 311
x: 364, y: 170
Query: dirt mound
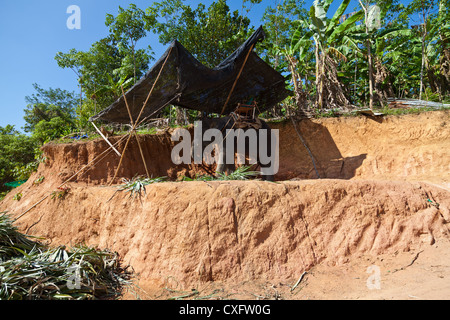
x: 188, y: 234
x: 407, y: 147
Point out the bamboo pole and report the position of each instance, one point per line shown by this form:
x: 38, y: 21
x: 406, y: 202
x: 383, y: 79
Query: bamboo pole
x: 106, y: 139
x: 237, y: 78
x: 135, y: 133
x: 130, y: 134
x: 139, y: 116
x: 90, y: 164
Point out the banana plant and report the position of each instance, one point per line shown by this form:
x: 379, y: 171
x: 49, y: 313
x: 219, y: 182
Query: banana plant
x: 295, y: 55
x: 436, y: 52
x: 378, y: 47
x: 326, y: 35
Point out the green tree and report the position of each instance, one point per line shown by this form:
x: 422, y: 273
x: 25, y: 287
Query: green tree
x: 425, y: 9
x: 128, y: 27
x: 52, y: 129
x: 103, y: 58
x: 329, y: 36
x: 295, y: 53
x: 46, y: 104
x: 210, y: 34
x: 16, y: 150
x: 114, y: 88
x: 376, y: 41
x: 279, y: 21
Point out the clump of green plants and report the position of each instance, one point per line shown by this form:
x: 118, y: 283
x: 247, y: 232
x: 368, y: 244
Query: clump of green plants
x: 241, y: 173
x: 12, y: 242
x: 18, y: 196
x: 3, y: 195
x: 38, y: 181
x: 137, y: 185
x: 33, y: 271
x: 198, y: 177
x: 60, y: 193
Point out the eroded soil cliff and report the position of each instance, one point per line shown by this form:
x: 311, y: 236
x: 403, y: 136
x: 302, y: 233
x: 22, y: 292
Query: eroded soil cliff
x: 382, y: 199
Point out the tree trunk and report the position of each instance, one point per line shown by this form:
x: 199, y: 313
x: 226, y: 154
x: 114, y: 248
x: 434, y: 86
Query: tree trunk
x: 382, y: 85
x: 322, y: 76
x: 444, y: 69
x: 300, y: 96
x: 317, y: 75
x: 421, y: 70
x: 356, y: 71
x: 134, y: 66
x: 334, y: 91
x: 369, y: 53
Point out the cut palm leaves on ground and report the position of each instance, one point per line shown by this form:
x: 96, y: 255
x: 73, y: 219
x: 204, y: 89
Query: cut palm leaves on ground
x: 30, y: 270
x: 241, y: 173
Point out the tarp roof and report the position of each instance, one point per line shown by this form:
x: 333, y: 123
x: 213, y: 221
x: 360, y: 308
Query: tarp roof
x: 187, y: 83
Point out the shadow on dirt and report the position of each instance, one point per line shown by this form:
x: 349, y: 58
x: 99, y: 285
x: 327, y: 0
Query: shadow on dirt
x: 296, y: 161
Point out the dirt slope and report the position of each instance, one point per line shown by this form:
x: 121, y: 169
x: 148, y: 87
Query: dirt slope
x: 407, y: 147
x: 254, y: 239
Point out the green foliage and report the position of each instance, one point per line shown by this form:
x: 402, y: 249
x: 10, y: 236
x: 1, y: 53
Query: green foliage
x: 241, y: 173
x: 137, y: 185
x: 115, y: 88
x: 60, y: 193
x: 46, y: 131
x: 279, y: 21
x: 128, y: 27
x: 210, y: 34
x: 88, y: 108
x: 45, y: 104
x: 24, y: 172
x: 18, y: 196
x: 12, y: 242
x: 106, y: 58
x: 16, y: 150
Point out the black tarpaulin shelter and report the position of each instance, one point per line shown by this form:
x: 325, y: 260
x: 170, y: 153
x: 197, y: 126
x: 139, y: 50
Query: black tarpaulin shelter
x: 179, y: 79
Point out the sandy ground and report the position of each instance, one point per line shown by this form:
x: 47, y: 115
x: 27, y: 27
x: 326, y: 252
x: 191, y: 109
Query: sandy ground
x: 417, y: 275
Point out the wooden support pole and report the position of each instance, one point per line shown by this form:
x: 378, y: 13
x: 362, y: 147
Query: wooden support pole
x: 142, y: 154
x: 237, y: 78
x: 90, y: 164
x: 135, y: 133
x: 106, y: 139
x: 136, y: 123
x: 130, y: 134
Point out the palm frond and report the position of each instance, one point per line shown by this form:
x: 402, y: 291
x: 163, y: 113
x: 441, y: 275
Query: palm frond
x: 137, y: 185
x: 30, y: 270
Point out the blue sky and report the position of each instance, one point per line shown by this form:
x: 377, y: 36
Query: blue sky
x: 32, y: 32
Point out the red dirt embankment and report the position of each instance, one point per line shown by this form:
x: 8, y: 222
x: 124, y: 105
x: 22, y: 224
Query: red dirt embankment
x: 232, y: 232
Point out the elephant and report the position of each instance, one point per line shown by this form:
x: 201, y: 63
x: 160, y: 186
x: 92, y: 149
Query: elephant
x: 263, y: 145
